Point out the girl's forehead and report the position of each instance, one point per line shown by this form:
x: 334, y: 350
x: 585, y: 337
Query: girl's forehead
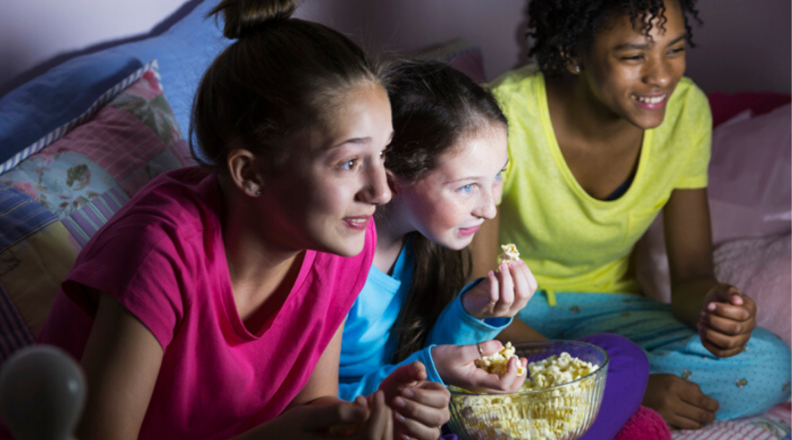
x: 478, y: 154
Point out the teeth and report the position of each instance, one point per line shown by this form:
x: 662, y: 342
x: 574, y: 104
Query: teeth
x: 357, y: 220
x: 654, y: 100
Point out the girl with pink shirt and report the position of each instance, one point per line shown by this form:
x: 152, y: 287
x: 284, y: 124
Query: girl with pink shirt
x: 212, y: 305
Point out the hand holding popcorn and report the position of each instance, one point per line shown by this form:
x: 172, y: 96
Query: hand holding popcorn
x: 502, y: 293
x: 456, y: 365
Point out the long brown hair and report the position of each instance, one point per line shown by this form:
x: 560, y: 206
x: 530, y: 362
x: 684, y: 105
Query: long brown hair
x: 433, y: 106
x: 280, y: 76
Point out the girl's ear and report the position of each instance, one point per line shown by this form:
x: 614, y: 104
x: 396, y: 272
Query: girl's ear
x: 574, y: 67
x: 393, y: 184
x: 244, y: 172
x: 396, y: 183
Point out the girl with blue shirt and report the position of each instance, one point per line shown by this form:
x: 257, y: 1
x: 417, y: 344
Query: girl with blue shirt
x: 444, y: 166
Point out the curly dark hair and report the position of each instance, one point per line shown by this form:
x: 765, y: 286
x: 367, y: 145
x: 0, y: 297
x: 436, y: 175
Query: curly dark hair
x: 563, y: 29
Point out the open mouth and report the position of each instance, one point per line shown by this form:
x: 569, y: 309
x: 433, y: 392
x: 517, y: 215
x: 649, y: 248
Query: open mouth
x: 357, y: 223
x: 650, y: 101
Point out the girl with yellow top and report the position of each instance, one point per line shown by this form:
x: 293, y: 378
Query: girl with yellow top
x: 603, y: 136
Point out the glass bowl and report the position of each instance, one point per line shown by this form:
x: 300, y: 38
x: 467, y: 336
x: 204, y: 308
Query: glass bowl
x: 561, y: 412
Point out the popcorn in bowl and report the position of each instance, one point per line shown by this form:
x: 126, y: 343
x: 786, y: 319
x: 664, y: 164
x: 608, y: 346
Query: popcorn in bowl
x: 558, y: 401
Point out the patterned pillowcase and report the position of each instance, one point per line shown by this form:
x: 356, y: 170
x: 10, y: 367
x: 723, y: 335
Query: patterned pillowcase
x: 53, y: 202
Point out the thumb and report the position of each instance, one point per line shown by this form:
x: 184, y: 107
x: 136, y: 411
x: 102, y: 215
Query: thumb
x: 323, y: 417
x: 735, y: 296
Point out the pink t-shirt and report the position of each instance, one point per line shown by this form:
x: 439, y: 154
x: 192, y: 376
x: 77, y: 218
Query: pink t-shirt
x: 162, y: 257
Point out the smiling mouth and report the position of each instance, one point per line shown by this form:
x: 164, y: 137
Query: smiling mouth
x: 650, y: 99
x: 358, y: 223
x: 469, y: 231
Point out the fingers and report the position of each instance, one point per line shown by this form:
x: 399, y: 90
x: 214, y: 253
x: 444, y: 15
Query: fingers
x: 720, y: 352
x: 419, y: 421
x: 728, y: 326
x: 723, y: 342
x: 431, y: 394
x: 729, y: 311
x: 693, y: 395
x: 422, y: 410
x: 681, y: 403
x: 380, y: 423
x: 422, y: 414
x: 689, y: 417
x: 519, y: 379
x: 494, y: 287
x: 410, y: 375
x: 522, y: 285
x: 506, y: 292
x: 509, y: 382
x: 487, y: 347
x: 695, y: 409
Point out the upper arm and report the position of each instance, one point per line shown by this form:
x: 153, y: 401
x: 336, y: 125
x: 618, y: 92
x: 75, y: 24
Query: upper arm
x: 688, y: 235
x: 122, y: 360
x: 324, y: 378
x: 484, y: 248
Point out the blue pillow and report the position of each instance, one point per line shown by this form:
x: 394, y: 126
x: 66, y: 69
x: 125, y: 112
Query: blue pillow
x: 45, y: 103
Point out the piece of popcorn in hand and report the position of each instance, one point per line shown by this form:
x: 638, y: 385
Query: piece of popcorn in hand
x: 510, y: 252
x: 498, y: 363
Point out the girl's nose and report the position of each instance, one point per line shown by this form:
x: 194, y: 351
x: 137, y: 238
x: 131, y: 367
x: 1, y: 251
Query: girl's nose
x: 486, y: 208
x: 376, y: 190
x: 658, y: 73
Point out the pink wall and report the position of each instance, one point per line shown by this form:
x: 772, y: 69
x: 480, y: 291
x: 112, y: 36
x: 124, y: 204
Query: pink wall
x: 742, y: 46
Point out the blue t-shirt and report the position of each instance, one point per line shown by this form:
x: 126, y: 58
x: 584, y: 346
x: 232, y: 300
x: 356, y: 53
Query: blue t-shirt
x: 370, y: 339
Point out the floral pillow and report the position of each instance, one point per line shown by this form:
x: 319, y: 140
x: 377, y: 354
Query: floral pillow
x: 52, y: 202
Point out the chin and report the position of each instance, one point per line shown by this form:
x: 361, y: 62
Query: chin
x: 347, y: 248
x: 649, y: 123
x: 458, y: 244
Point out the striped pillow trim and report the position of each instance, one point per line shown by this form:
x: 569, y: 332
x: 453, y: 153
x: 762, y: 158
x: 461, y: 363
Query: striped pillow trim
x: 86, y: 221
x: 65, y: 128
x: 14, y: 334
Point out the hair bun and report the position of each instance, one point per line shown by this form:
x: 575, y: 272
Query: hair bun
x: 244, y: 16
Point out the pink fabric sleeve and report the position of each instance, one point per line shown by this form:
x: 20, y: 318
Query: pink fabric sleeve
x: 143, y: 268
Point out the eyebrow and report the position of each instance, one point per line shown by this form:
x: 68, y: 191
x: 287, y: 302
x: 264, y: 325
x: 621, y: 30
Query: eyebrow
x: 476, y: 177
x: 355, y: 141
x: 645, y: 46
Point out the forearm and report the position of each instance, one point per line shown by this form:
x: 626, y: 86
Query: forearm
x: 687, y: 298
x: 456, y: 326
x: 518, y: 331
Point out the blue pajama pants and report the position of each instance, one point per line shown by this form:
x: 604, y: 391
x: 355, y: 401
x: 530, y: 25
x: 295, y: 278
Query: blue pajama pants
x: 747, y: 384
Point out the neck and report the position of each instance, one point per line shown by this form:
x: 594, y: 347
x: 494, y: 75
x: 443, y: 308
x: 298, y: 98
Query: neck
x: 582, y: 115
x: 392, y: 232
x: 257, y: 264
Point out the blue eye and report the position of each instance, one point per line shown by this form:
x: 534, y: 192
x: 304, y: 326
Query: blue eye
x: 499, y: 176
x: 467, y: 188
